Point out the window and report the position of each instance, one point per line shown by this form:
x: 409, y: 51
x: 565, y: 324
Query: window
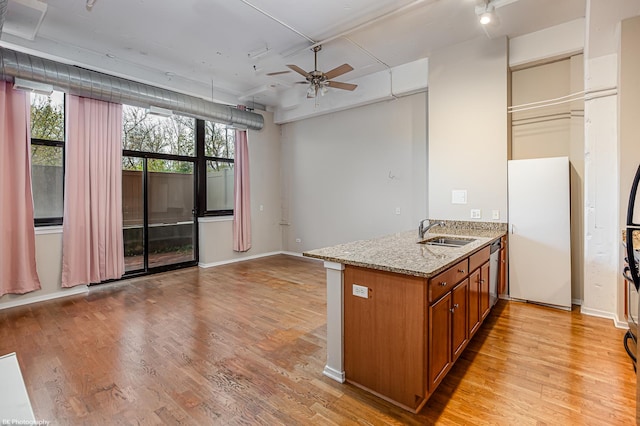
x: 47, y: 157
x: 219, y: 147
x: 144, y: 132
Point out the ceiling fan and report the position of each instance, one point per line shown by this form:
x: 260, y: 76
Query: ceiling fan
x: 319, y: 81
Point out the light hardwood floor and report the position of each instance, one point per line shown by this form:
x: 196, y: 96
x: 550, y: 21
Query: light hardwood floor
x: 245, y: 344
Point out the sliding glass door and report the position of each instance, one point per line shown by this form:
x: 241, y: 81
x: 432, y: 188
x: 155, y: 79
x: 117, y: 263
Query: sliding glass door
x: 171, y: 204
x: 158, y: 206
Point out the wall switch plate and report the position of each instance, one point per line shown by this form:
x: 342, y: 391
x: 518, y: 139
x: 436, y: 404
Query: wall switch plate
x: 397, y: 210
x: 459, y: 196
x: 261, y: 207
x: 298, y: 240
x: 475, y: 214
x: 495, y: 214
x: 361, y: 291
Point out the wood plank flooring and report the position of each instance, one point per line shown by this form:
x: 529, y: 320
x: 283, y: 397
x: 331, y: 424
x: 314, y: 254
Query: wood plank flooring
x: 245, y: 344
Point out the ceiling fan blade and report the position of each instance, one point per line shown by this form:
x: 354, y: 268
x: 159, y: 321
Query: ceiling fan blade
x: 298, y: 70
x: 278, y: 72
x: 343, y: 86
x: 338, y: 71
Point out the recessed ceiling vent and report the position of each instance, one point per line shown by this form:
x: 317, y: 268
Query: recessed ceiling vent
x: 23, y: 18
x: 3, y: 12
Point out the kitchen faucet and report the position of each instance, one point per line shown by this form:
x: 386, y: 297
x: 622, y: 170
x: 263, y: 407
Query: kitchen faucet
x: 424, y: 229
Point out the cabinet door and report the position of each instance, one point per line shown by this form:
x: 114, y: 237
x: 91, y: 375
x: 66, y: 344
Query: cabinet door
x: 460, y: 330
x: 474, y: 302
x: 484, y: 290
x: 439, y: 340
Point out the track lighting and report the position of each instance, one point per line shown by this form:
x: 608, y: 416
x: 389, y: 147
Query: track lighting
x: 486, y: 13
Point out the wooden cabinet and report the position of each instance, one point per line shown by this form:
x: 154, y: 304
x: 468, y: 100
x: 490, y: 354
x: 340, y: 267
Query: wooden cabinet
x: 448, y: 332
x: 444, y: 281
x: 474, y: 302
x: 439, y: 340
x: 459, y: 320
x: 384, y: 334
x: 402, y: 339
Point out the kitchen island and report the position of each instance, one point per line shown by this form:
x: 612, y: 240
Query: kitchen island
x: 399, y: 313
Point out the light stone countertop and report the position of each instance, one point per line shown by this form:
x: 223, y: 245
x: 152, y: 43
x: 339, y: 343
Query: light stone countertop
x: 401, y: 253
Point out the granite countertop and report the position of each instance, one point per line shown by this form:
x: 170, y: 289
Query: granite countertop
x: 400, y: 252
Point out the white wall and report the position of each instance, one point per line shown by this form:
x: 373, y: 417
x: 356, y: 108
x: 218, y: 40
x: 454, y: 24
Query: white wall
x: 49, y: 267
x: 216, y: 236
x: 468, y: 129
x: 603, y: 293
x: 344, y: 174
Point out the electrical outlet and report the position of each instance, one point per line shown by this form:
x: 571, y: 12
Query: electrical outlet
x: 261, y: 207
x: 495, y: 214
x: 397, y: 210
x: 298, y: 240
x: 361, y: 291
x: 475, y: 214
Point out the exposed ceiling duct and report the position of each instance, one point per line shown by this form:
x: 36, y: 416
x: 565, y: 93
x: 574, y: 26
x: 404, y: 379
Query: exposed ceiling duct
x: 3, y: 12
x: 91, y: 84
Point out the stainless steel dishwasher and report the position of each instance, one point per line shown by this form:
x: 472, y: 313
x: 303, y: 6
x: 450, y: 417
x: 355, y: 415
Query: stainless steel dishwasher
x: 494, y: 270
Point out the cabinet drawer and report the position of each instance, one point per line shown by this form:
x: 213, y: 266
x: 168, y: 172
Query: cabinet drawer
x: 444, y: 281
x: 478, y: 258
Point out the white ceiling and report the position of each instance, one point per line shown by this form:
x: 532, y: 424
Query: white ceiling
x: 205, y: 47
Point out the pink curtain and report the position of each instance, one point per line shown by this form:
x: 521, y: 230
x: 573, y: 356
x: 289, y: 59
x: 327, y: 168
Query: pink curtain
x: 242, y: 204
x: 18, y: 273
x: 92, y: 246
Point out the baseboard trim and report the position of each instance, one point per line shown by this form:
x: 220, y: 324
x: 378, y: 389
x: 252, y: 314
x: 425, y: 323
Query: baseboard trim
x: 599, y: 314
x: 238, y: 259
x: 293, y: 253
x: 334, y: 374
x: 81, y: 289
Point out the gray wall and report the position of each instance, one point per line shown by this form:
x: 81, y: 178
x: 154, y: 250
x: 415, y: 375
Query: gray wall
x: 216, y: 238
x: 468, y: 129
x: 344, y: 174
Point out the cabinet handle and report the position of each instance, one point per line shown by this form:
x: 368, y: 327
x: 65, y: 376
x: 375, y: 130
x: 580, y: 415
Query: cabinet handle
x: 461, y: 271
x: 443, y: 283
x: 456, y: 306
x: 453, y: 311
x: 481, y: 281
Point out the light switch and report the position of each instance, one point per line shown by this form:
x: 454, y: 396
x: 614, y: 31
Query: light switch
x: 495, y: 214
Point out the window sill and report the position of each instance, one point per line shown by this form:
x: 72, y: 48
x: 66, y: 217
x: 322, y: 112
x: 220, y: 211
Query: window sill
x: 210, y: 219
x: 44, y: 230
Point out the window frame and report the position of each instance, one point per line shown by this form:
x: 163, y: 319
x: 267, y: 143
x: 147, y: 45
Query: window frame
x: 202, y: 173
x: 52, y: 221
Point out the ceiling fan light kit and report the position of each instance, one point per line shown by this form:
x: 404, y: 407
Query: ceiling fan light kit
x: 319, y: 81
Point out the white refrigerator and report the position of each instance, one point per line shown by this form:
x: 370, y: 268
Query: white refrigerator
x: 539, y: 231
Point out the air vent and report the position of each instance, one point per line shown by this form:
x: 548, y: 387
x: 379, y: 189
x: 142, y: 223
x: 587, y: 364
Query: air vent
x: 24, y: 18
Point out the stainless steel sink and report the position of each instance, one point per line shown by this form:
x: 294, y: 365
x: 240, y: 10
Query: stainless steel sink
x: 446, y: 241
